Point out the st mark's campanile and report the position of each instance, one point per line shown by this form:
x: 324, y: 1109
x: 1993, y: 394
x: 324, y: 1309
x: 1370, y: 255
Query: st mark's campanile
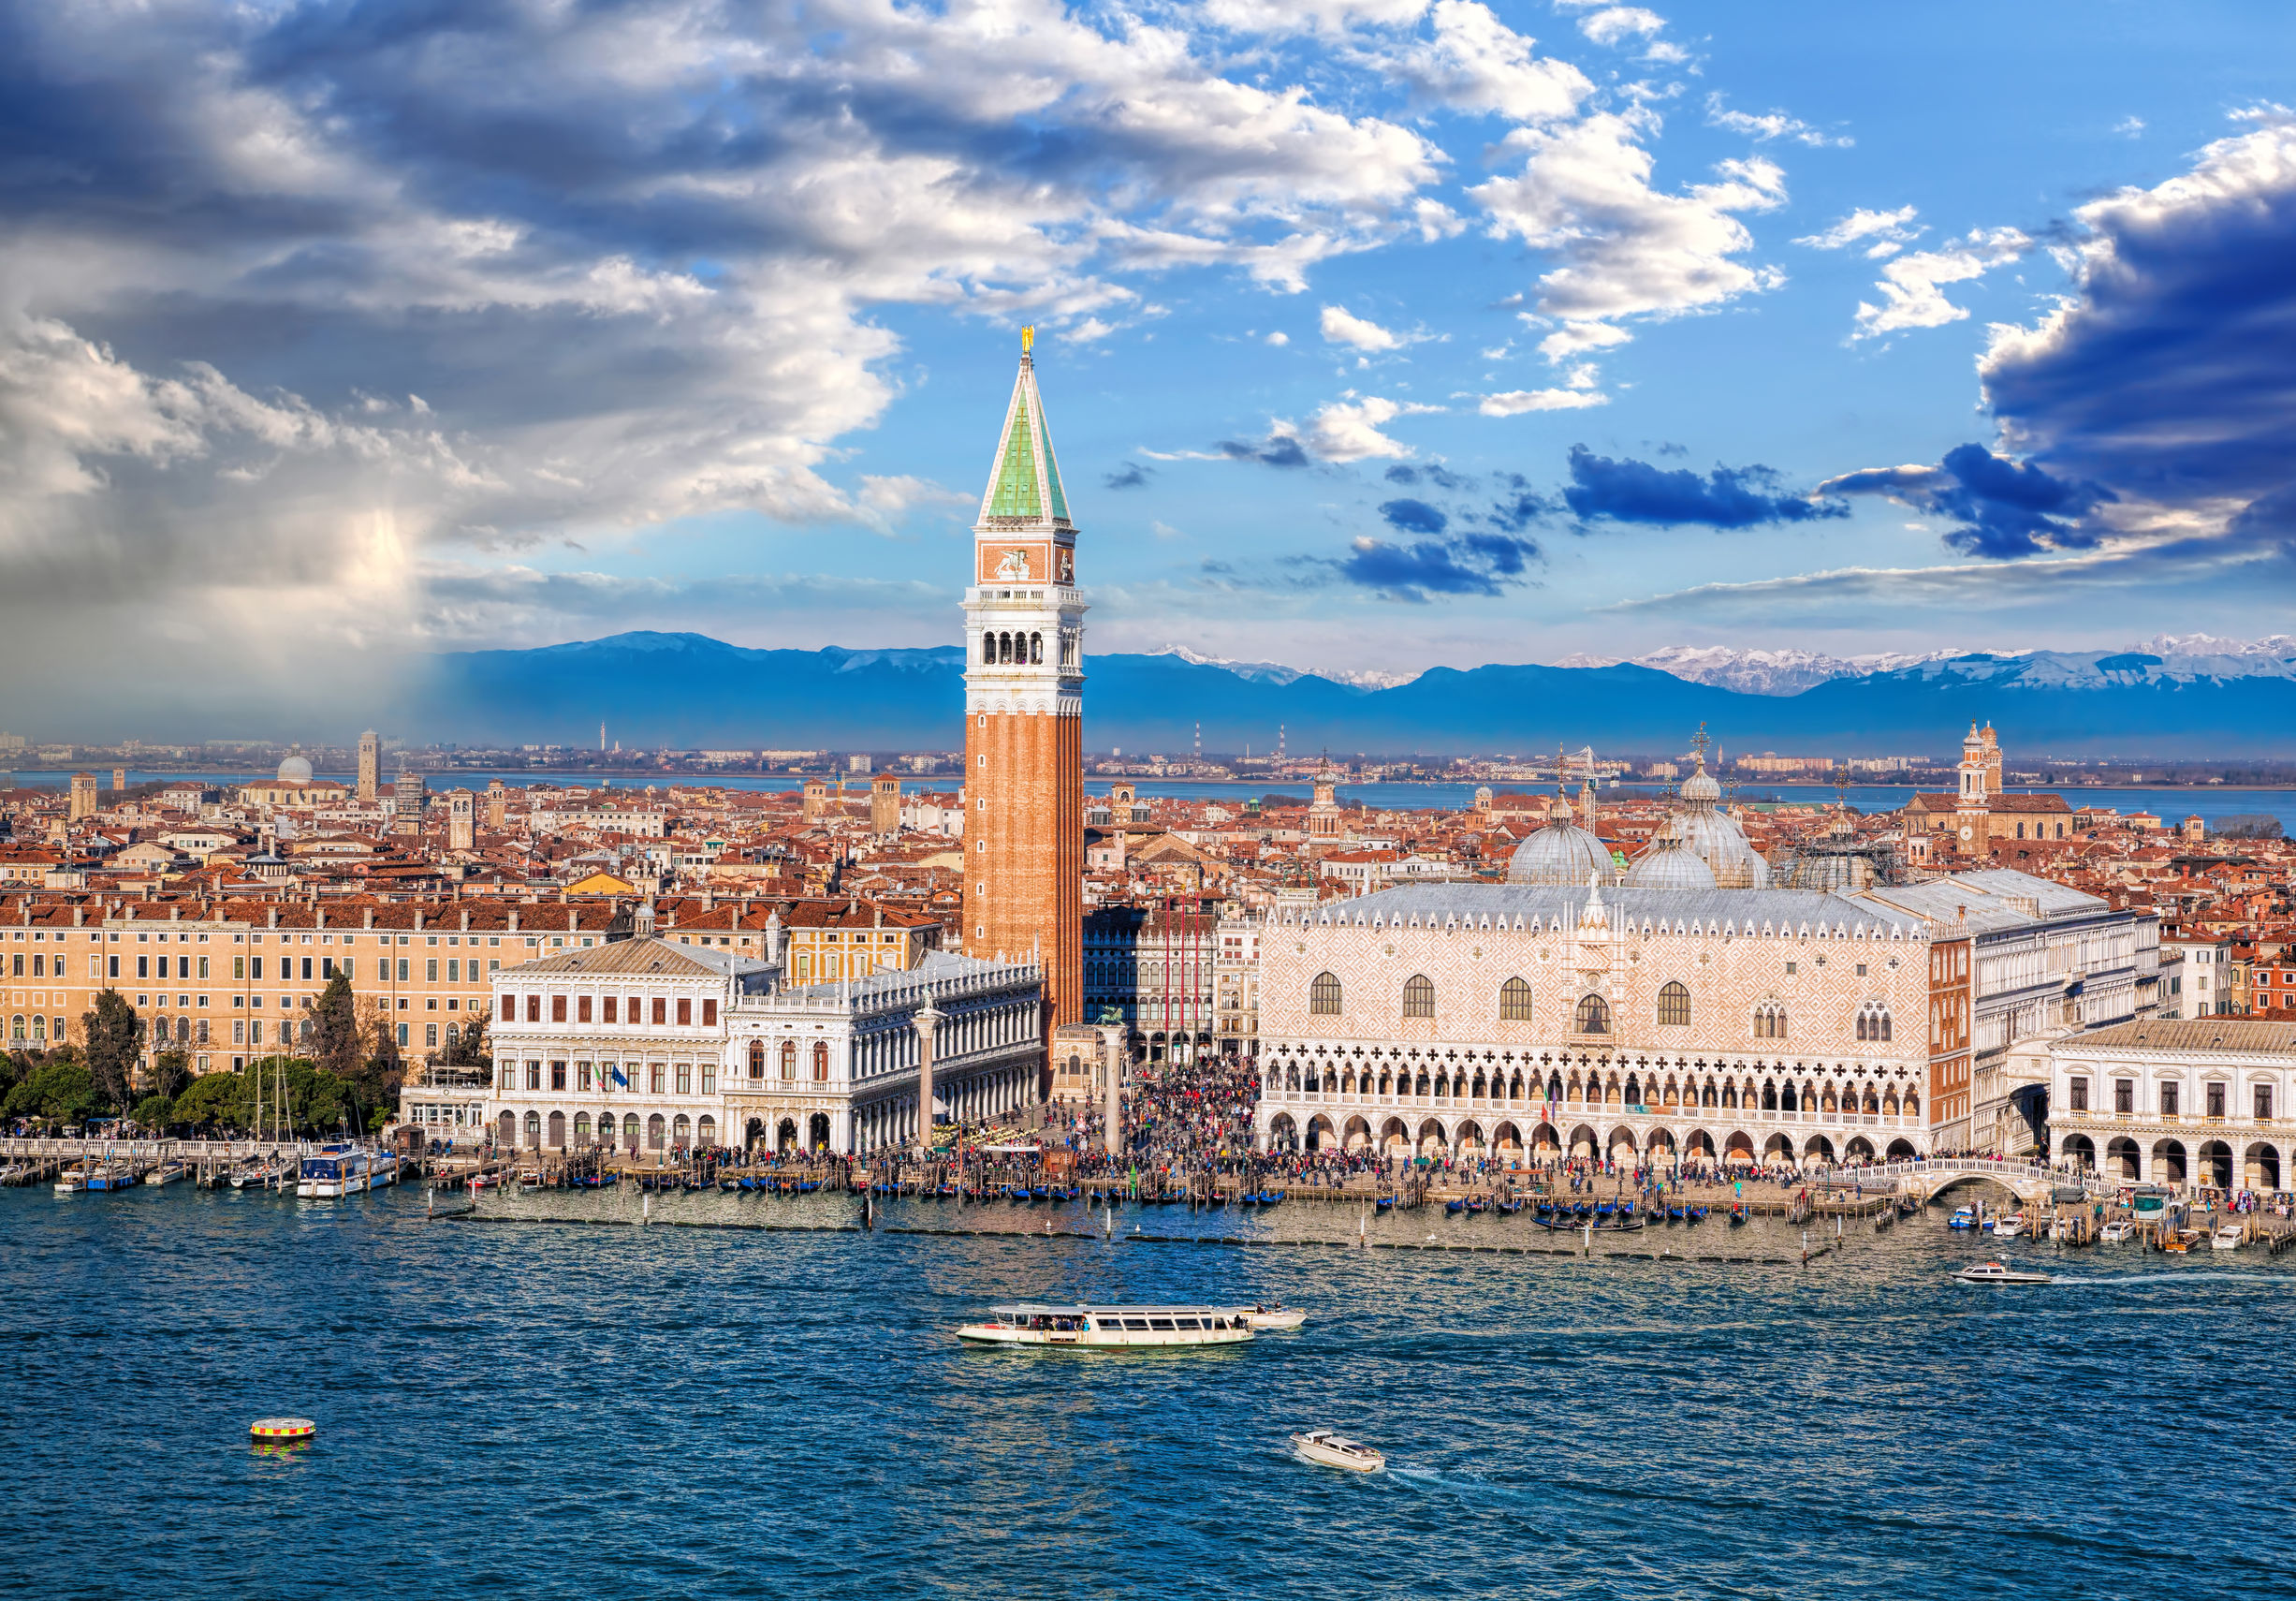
x: 1024, y: 713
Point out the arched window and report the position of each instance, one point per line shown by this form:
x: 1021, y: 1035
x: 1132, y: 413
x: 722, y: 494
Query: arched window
x: 988, y: 649
x: 534, y: 1131
x: 1769, y: 1020
x: 1674, y: 1006
x: 1323, y: 996
x: 655, y: 1132
x: 629, y: 1130
x: 821, y: 1059
x: 789, y: 1059
x: 1418, y: 997
x: 1593, y: 1015
x: 1874, y: 1021
x: 1515, y: 1001
x: 581, y: 1128
x: 757, y: 1058
x: 1036, y: 648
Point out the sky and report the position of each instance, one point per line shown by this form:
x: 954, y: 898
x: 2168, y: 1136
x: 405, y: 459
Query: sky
x: 1374, y: 334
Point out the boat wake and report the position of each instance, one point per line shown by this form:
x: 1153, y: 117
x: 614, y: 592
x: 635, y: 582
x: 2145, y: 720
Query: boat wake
x: 2277, y: 1279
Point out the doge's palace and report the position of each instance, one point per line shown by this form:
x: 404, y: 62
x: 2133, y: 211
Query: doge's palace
x: 1537, y: 1022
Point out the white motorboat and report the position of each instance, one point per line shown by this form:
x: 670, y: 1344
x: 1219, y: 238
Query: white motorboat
x: 2062, y: 1229
x: 165, y: 1174
x: 1998, y: 1273
x: 72, y: 1182
x: 2009, y: 1227
x: 2226, y: 1237
x: 1336, y: 1450
x: 1084, y: 1327
x: 2114, y: 1233
x: 1277, y: 1318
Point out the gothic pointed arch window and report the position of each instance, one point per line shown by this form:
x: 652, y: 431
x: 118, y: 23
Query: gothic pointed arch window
x: 1515, y: 1001
x: 1674, y: 1006
x: 1323, y: 996
x: 1592, y: 1016
x: 1874, y: 1022
x: 1769, y: 1020
x: 1418, y: 997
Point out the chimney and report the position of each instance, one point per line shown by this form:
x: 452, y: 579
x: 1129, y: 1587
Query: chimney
x: 370, y: 922
x: 418, y: 919
x: 573, y: 919
x: 466, y: 920
x: 513, y: 919
x: 270, y: 917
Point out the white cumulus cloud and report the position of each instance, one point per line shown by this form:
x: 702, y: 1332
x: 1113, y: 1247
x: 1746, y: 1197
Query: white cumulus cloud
x: 1341, y: 327
x: 1911, y: 289
x: 1514, y: 402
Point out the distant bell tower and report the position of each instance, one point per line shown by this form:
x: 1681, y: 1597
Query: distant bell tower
x: 369, y: 765
x: 1024, y: 713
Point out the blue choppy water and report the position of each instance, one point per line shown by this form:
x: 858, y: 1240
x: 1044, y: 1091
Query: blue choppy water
x: 537, y: 1409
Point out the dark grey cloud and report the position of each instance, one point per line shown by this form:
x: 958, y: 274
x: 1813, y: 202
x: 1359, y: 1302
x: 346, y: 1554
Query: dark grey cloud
x: 1413, y: 517
x: 1440, y: 476
x: 1279, y: 450
x: 1418, y: 571
x: 1132, y: 475
x: 2002, y: 509
x: 1627, y: 491
x: 2169, y: 373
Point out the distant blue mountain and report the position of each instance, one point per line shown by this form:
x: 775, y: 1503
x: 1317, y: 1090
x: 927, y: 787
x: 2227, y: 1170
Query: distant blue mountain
x: 689, y: 691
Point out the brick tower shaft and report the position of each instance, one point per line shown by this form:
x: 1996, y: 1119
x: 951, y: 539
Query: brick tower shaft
x: 1024, y: 709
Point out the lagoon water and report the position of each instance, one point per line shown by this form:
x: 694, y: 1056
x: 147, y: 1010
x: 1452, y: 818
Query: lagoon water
x: 536, y: 1408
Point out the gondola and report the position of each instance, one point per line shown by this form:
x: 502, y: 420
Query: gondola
x: 1455, y: 1206
x: 1509, y: 1206
x: 1270, y: 1197
x: 1478, y: 1203
x: 1737, y: 1216
x: 1383, y: 1203
x: 1697, y: 1215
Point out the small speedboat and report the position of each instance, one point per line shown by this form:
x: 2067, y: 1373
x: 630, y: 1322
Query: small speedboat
x: 71, y: 1182
x: 1334, y: 1450
x: 165, y: 1174
x: 1279, y: 1318
x: 1998, y: 1273
x: 2226, y: 1237
x: 1964, y: 1217
x: 2114, y: 1233
x: 2009, y: 1227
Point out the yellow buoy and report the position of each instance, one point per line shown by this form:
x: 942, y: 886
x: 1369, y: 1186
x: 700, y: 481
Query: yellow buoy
x: 282, y: 1429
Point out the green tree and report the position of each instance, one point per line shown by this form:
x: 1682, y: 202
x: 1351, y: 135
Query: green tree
x: 114, y: 1040
x: 154, y: 1112
x: 62, y: 1090
x: 336, y: 1046
x: 170, y: 1073
x: 222, y: 1099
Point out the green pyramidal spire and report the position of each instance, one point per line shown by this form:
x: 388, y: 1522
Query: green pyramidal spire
x: 1025, y: 482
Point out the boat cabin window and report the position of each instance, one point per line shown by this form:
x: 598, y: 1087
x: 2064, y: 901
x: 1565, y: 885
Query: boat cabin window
x: 1136, y: 1323
x: 1186, y: 1323
x: 1159, y: 1323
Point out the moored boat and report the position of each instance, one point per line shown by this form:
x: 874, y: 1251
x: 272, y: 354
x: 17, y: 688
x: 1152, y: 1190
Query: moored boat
x: 1087, y: 1327
x: 1336, y: 1450
x: 72, y: 1181
x: 2226, y: 1237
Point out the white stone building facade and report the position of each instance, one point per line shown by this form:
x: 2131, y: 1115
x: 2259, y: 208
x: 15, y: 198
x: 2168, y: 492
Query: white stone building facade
x: 654, y: 1047
x: 2186, y: 1103
x: 1541, y: 1021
